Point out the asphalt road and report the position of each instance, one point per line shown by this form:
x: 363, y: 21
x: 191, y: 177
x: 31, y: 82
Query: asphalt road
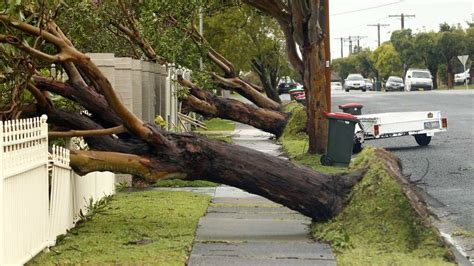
x: 445, y: 168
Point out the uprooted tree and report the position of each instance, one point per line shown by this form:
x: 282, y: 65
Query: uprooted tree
x: 122, y: 143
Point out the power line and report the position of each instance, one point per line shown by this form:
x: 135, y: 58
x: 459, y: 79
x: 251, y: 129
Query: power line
x: 368, y: 8
x: 378, y: 25
x: 402, y: 17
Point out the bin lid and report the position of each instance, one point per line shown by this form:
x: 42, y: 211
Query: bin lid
x: 343, y: 116
x: 350, y: 105
x: 296, y: 89
x: 300, y: 97
x: 296, y: 92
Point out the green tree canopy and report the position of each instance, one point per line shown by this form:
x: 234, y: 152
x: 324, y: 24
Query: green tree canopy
x: 426, y: 46
x: 387, y: 61
x: 403, y: 42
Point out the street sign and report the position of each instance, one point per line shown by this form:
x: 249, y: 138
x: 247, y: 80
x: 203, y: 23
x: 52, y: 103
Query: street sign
x: 463, y: 59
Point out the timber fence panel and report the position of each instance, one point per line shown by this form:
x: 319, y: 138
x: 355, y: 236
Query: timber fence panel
x: 24, y: 207
x: 62, y: 194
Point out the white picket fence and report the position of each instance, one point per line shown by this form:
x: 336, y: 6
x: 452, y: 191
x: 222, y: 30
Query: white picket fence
x: 40, y: 198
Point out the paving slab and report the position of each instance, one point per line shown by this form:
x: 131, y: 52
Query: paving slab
x: 275, y: 208
x: 239, y: 261
x: 232, y: 192
x: 245, y: 212
x: 248, y: 200
x: 271, y: 250
x: 270, y: 216
x: 229, y: 229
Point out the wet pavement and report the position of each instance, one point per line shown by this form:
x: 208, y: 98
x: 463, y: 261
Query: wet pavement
x: 240, y: 228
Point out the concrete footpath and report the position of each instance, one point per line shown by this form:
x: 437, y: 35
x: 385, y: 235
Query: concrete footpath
x: 245, y: 229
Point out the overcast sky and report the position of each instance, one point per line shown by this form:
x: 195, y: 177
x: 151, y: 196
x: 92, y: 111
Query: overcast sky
x: 429, y: 14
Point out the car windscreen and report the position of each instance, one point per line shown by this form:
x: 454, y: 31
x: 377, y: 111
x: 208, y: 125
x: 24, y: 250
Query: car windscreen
x: 399, y: 80
x: 421, y: 75
x: 354, y: 78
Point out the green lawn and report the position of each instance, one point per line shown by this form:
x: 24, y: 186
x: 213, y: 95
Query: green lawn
x: 458, y: 87
x: 139, y: 228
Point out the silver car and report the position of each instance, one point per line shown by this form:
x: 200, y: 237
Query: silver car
x: 394, y: 84
x: 354, y: 82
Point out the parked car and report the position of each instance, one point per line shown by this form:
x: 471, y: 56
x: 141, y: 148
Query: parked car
x: 460, y: 78
x: 336, y: 85
x: 394, y: 83
x: 354, y: 82
x: 418, y: 79
x: 369, y: 84
x: 284, y: 87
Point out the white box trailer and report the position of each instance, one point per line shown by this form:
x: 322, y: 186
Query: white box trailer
x: 421, y: 125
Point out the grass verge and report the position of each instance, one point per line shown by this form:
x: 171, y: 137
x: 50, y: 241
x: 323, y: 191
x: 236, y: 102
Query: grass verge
x: 217, y: 124
x: 154, y: 228
x: 457, y: 87
x: 378, y: 226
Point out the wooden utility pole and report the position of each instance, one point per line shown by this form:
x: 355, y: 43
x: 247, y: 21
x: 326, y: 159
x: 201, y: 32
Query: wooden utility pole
x: 402, y: 18
x: 353, y: 38
x: 342, y: 45
x: 378, y: 25
x: 327, y: 54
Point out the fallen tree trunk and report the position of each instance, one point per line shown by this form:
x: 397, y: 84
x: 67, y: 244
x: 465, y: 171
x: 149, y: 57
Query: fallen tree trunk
x: 316, y: 195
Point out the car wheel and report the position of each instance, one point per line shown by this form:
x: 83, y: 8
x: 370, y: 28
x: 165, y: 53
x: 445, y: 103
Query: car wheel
x: 356, y: 147
x: 364, y: 90
x: 422, y: 139
x: 347, y: 90
x: 326, y: 160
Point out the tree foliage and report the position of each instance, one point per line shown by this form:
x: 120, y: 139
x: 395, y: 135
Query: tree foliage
x: 387, y: 61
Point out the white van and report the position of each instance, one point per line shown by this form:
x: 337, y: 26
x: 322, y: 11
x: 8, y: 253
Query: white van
x: 418, y: 79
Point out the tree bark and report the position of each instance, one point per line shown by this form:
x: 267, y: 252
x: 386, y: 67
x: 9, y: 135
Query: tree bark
x: 450, y: 72
x: 267, y: 80
x: 316, y: 101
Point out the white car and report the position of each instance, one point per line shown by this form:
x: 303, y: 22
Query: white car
x: 418, y: 79
x: 460, y: 78
x: 336, y: 85
x: 354, y: 82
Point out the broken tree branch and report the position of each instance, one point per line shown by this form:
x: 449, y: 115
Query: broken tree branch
x: 87, y: 133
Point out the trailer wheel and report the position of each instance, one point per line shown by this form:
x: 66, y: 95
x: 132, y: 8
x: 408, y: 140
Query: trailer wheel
x: 356, y: 147
x: 422, y: 139
x: 326, y: 160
